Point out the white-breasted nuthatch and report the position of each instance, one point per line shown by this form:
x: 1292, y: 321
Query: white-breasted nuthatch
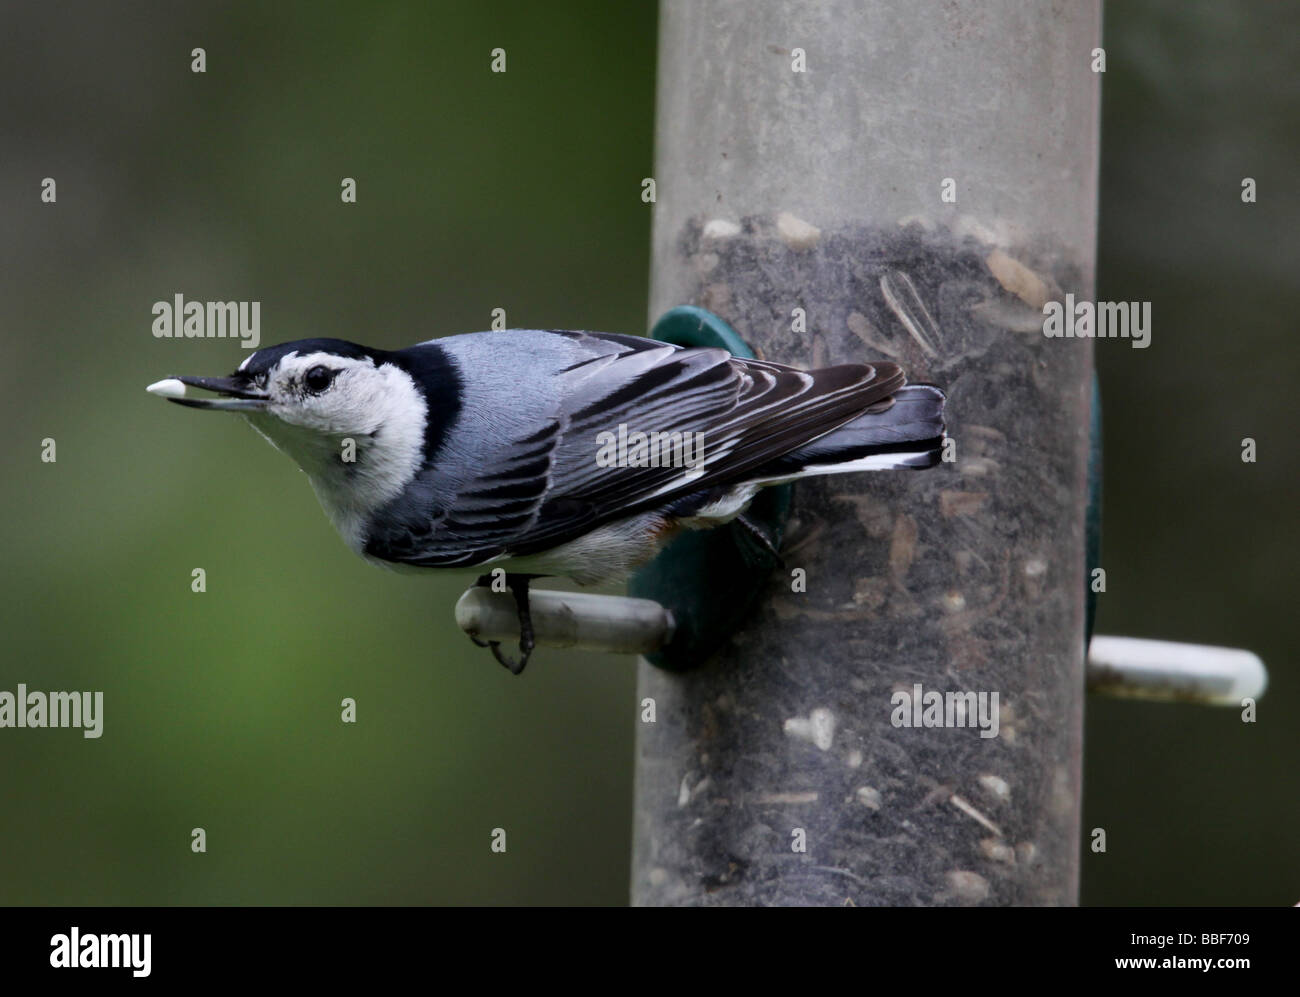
x: 574, y: 454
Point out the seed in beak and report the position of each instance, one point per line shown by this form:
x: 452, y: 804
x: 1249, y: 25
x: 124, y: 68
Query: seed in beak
x: 168, y: 387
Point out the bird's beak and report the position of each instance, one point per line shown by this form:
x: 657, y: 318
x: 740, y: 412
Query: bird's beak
x: 233, y: 392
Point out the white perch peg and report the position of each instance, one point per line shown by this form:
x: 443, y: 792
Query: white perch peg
x: 568, y: 619
x: 1128, y: 667
x: 1160, y: 669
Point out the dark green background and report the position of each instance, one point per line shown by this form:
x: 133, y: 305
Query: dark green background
x: 522, y: 191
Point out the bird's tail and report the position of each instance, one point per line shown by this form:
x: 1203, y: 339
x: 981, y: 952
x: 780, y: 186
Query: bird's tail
x: 905, y: 430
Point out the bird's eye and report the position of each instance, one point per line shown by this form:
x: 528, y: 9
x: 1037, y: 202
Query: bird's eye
x: 318, y: 379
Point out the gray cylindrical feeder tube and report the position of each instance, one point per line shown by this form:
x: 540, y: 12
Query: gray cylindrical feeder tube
x: 916, y: 193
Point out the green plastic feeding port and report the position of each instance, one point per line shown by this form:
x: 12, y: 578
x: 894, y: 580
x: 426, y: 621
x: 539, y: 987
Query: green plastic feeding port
x: 710, y: 579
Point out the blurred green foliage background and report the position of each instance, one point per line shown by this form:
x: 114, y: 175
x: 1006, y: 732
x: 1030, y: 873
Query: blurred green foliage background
x: 522, y: 191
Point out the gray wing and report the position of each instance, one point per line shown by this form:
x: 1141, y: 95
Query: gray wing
x: 538, y: 489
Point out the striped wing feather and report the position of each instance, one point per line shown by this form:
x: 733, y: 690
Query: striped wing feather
x: 547, y: 489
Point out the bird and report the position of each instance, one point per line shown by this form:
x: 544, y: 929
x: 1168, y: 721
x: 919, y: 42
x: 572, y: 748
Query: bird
x: 494, y: 449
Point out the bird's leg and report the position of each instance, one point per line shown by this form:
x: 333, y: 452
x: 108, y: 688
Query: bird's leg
x: 484, y: 581
x: 760, y: 538
x: 518, y: 585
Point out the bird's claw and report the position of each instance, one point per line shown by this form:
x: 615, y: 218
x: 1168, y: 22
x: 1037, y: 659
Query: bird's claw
x: 759, y: 542
x: 515, y: 667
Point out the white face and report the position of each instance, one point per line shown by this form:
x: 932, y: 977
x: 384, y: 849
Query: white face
x: 355, y: 427
x: 330, y: 395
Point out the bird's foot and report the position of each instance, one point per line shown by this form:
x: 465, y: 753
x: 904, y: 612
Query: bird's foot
x: 759, y: 539
x: 518, y: 585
